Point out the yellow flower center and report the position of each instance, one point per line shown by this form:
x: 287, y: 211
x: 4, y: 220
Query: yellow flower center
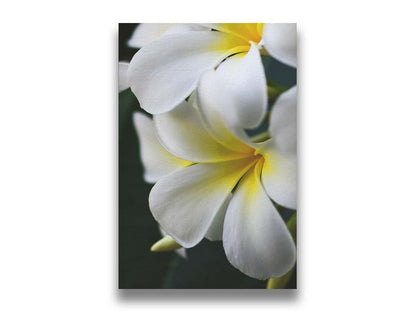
x: 257, y: 162
x: 242, y: 35
x: 247, y: 31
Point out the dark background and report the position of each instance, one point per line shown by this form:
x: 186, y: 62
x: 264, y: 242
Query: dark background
x: 206, y: 265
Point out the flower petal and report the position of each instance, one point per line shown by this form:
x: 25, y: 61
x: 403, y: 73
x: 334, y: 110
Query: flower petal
x: 283, y: 122
x: 181, y: 132
x: 186, y: 202
x: 234, y: 97
x: 214, y: 115
x: 147, y: 32
x: 184, y: 27
x: 215, y: 230
x: 280, y: 41
x: 280, y: 169
x: 181, y: 251
x: 165, y: 71
x: 241, y: 88
x: 157, y: 161
x: 122, y: 76
x: 279, y: 175
x: 247, y: 31
x: 256, y: 239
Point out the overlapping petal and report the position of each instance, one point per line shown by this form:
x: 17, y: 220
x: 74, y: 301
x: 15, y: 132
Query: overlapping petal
x: 283, y: 122
x: 280, y: 41
x: 212, y: 109
x: 216, y: 228
x: 122, y: 76
x: 147, y: 32
x: 181, y: 251
x: 184, y: 27
x: 246, y: 31
x: 165, y: 71
x: 239, y: 87
x: 186, y: 202
x: 256, y: 239
x: 181, y: 132
x: 279, y: 175
x: 157, y: 161
x: 234, y: 97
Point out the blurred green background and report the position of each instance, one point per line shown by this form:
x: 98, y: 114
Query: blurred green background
x: 206, y: 265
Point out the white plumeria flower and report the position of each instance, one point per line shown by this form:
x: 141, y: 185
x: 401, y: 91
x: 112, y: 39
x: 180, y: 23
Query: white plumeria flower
x: 199, y: 159
x: 165, y: 71
x: 146, y: 33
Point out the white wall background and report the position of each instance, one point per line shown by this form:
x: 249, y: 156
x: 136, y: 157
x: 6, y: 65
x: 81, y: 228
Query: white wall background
x: 58, y: 176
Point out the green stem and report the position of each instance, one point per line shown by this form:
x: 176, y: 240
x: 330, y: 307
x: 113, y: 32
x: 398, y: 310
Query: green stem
x: 280, y: 282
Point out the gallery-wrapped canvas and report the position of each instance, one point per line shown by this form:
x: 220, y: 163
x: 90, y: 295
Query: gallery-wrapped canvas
x: 207, y: 155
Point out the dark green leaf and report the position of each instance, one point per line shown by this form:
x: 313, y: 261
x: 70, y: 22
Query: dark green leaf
x: 206, y: 266
x: 138, y: 267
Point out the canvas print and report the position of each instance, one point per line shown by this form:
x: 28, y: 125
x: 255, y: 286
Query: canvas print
x: 207, y: 156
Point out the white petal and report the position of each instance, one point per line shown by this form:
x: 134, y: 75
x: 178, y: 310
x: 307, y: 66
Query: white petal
x: 232, y: 98
x: 247, y: 31
x: 283, y: 122
x: 157, y: 161
x: 280, y: 41
x: 186, y: 202
x: 122, y: 76
x: 240, y: 84
x: 215, y: 230
x: 182, y: 133
x: 147, y: 32
x: 214, y: 115
x: 181, y: 251
x: 279, y: 175
x: 256, y: 239
x: 184, y: 27
x: 164, y: 72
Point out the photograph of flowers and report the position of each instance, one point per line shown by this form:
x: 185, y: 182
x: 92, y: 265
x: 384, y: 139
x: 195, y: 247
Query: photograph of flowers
x: 207, y: 156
